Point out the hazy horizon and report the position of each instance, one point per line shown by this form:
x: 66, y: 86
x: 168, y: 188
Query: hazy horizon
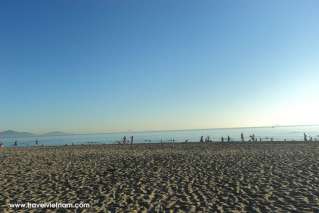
x: 159, y: 130
x: 117, y: 66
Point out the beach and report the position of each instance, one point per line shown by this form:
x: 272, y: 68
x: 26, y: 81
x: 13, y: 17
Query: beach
x: 180, y: 177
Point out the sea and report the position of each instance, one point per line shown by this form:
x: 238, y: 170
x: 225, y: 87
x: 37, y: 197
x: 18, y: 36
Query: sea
x: 275, y: 133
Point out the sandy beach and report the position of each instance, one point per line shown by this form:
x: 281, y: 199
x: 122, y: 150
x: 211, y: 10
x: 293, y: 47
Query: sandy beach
x: 189, y: 177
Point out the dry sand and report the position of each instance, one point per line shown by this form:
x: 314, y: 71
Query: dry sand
x: 266, y: 177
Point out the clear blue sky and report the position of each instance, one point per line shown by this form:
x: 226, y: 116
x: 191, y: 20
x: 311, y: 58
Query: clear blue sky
x: 110, y: 65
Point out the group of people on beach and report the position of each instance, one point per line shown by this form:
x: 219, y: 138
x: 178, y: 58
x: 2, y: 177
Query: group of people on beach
x: 252, y: 138
x: 208, y: 139
x: 127, y: 141
x: 308, y: 138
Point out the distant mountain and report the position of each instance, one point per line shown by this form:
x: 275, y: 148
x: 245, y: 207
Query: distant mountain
x: 56, y: 133
x: 15, y: 134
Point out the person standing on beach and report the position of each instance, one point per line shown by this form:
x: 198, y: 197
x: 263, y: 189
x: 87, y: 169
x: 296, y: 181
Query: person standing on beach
x: 305, y: 137
x: 15, y: 143
x: 132, y: 138
x: 222, y: 140
x: 207, y: 140
x: 252, y: 138
x: 202, y: 139
x: 228, y: 139
x: 242, y: 137
x: 124, y: 140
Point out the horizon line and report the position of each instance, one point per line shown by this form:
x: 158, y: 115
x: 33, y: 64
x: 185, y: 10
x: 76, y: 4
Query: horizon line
x: 163, y: 130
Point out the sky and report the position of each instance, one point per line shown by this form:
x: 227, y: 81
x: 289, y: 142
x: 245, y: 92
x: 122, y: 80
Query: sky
x: 109, y: 65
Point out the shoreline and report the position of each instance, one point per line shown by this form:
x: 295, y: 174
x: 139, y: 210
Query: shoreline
x: 163, y: 143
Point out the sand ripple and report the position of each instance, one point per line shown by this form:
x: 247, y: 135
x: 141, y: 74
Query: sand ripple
x: 162, y: 178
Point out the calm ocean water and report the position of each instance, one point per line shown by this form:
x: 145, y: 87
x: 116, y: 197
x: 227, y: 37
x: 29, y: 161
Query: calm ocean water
x: 266, y: 133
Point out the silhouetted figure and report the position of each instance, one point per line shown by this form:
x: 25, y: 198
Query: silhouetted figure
x: 36, y: 142
x: 207, y: 139
x: 272, y: 139
x: 260, y: 140
x: 222, y: 139
x: 132, y: 139
x: 252, y: 138
x: 15, y: 143
x: 201, y: 139
x: 228, y: 139
x: 305, y: 137
x: 242, y: 137
x: 124, y: 140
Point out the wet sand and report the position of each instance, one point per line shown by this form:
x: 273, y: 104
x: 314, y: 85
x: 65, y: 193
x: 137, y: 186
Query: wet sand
x: 192, y: 177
